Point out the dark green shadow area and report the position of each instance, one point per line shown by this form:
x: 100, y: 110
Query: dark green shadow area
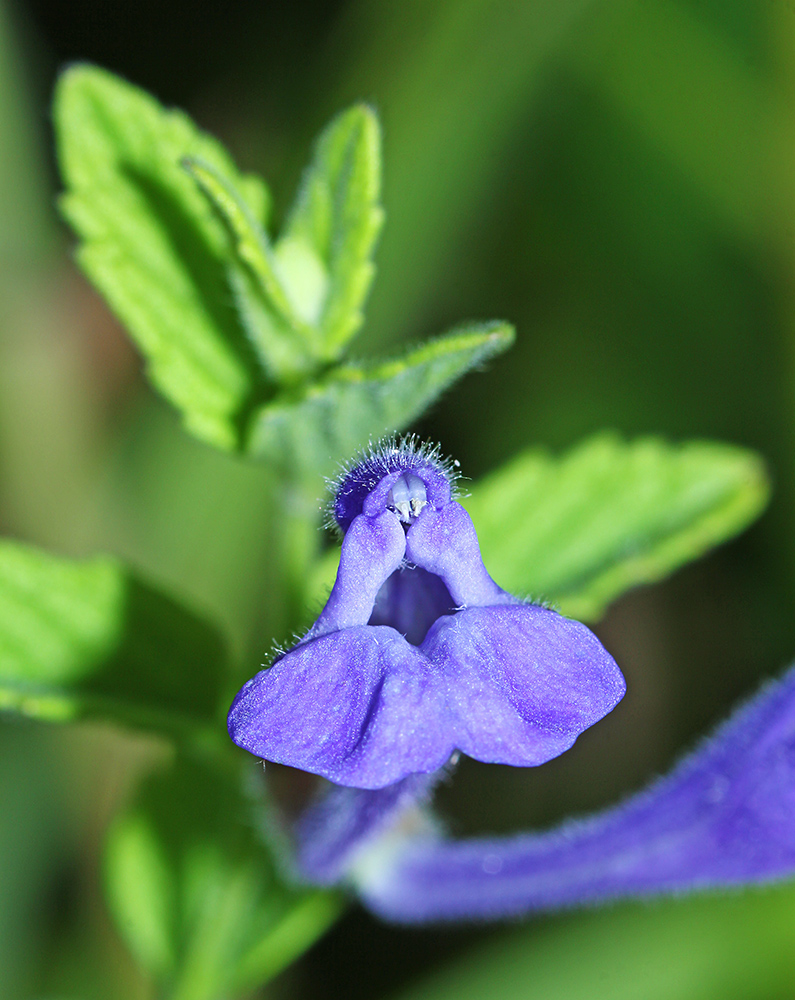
x: 89, y: 640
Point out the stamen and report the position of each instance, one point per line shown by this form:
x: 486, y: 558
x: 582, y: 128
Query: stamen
x: 407, y: 497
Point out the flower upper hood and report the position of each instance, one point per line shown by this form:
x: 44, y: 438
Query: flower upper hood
x: 417, y: 652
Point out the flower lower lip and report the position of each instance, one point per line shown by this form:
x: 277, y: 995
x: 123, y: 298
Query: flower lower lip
x: 362, y: 707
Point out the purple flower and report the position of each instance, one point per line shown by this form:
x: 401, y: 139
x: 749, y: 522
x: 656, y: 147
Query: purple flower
x: 417, y: 653
x: 725, y: 816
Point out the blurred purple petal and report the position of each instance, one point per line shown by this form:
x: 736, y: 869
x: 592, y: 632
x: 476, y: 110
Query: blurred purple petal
x: 332, y: 830
x: 724, y: 816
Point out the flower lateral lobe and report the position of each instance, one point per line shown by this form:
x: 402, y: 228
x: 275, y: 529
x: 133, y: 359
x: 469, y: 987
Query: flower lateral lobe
x: 417, y: 652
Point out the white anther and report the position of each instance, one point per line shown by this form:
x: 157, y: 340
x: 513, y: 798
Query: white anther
x: 407, y: 497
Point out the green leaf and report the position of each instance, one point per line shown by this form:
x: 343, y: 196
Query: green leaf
x: 154, y: 246
x: 284, y: 343
x: 195, y: 890
x: 607, y: 516
x: 88, y: 639
x: 329, y: 421
x: 325, y: 251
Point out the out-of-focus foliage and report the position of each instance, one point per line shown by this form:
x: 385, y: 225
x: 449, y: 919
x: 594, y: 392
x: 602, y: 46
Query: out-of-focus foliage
x: 703, y: 949
x: 195, y: 888
x: 363, y: 401
x: 608, y: 516
x: 89, y: 639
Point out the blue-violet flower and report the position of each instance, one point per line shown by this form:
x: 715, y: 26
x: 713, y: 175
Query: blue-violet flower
x: 723, y: 817
x: 417, y: 653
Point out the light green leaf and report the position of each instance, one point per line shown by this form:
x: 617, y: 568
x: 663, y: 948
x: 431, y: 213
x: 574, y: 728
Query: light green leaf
x: 154, y: 246
x: 329, y: 421
x: 583, y: 528
x: 87, y: 639
x: 325, y: 251
x: 284, y: 343
x: 195, y: 890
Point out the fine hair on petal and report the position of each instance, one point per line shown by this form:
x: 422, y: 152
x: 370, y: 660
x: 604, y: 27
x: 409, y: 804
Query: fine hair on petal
x: 362, y: 473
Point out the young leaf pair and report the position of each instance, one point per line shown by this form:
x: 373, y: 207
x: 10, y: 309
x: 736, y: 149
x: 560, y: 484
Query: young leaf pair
x: 244, y: 336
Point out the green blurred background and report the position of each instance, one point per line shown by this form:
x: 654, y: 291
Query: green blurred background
x: 615, y: 178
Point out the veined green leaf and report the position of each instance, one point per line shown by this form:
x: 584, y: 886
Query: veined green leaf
x: 195, y: 888
x: 325, y: 252
x: 607, y: 516
x: 88, y: 639
x: 284, y: 343
x: 332, y: 419
x: 154, y: 246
